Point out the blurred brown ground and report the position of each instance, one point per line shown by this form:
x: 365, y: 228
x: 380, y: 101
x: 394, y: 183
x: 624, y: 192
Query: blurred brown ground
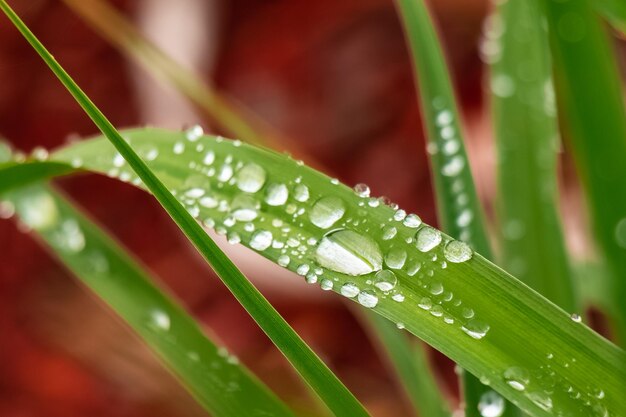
x: 332, y: 75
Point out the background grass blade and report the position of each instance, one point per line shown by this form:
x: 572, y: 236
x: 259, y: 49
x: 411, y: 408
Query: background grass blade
x: 459, y: 210
x: 614, y: 11
x: 527, y: 141
x: 594, y: 121
x: 334, y: 394
x: 411, y: 366
x: 472, y: 311
x: 214, y: 377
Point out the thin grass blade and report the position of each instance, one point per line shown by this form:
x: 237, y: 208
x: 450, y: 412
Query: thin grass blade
x: 527, y: 136
x: 334, y: 394
x: 459, y: 210
x: 589, y: 93
x: 214, y: 377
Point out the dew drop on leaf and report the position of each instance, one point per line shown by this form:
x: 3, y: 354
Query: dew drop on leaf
x: 276, y: 194
x: 427, y: 238
x: 385, y: 280
x: 251, y: 178
x: 349, y: 290
x: 348, y: 252
x: 476, y: 328
x: 456, y: 252
x: 517, y: 378
x: 367, y: 299
x: 327, y: 211
x: 261, y: 240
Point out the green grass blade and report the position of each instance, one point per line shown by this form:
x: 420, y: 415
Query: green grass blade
x: 334, y: 394
x: 20, y: 174
x: 475, y: 313
x: 527, y: 140
x: 411, y: 366
x: 215, y: 378
x: 459, y: 210
x: 614, y: 11
x: 595, y: 123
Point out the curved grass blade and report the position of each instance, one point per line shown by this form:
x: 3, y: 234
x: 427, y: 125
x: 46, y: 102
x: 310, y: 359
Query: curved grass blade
x: 523, y: 346
x: 214, y: 377
x: 321, y: 379
x: 527, y: 142
x: 595, y: 122
x: 459, y: 210
x: 411, y: 366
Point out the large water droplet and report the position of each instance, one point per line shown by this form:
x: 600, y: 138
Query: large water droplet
x: 348, y: 252
x: 261, y: 240
x: 385, y: 280
x: 367, y: 299
x: 427, y: 238
x: 491, y: 404
x: 327, y: 211
x: 456, y: 251
x: 276, y: 194
x: 517, y: 378
x: 251, y: 178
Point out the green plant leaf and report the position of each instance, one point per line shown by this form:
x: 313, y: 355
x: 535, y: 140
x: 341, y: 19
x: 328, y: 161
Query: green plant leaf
x: 321, y: 379
x: 411, y: 366
x: 595, y: 124
x: 489, y: 323
x: 214, y: 377
x: 459, y: 210
x: 527, y: 140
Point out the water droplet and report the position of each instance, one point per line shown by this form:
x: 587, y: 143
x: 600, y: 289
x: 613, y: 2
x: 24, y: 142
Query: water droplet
x: 453, y: 167
x: 225, y: 173
x: 326, y: 285
x: 261, y: 240
x: 491, y: 404
x: 179, y: 147
x: 251, y: 178
x: 194, y: 193
x: 303, y: 269
x: 39, y: 211
x: 517, y: 378
x: 349, y: 290
x: 444, y: 117
x: 367, y: 299
x: 209, y: 158
x: 436, y: 310
x: 400, y: 325
x: 575, y: 317
x: 541, y: 400
x: 194, y: 133
x: 502, y: 85
x: 425, y: 303
x: 389, y: 232
x: 412, y: 220
x: 160, y: 320
x: 362, y: 190
x: 395, y: 258
x: 244, y: 208
x: 348, y: 252
x: 464, y: 218
x: 327, y: 211
x: 399, y: 215
x: 301, y: 193
x: 70, y: 236
x: 427, y: 238
x: 476, y: 328
x: 276, y: 194
x: 399, y: 298
x: 456, y: 251
x: 385, y: 280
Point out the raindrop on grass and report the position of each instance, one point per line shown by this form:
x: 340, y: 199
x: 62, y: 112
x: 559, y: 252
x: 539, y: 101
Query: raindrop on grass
x: 301, y: 193
x: 491, y: 404
x: 251, y: 178
x: 395, y: 258
x: 160, y: 320
x: 385, y: 280
x: 261, y: 240
x: 326, y: 285
x: 194, y: 133
x: 517, y: 378
x: 456, y: 251
x: 348, y: 252
x: 276, y: 194
x: 349, y: 290
x: 427, y: 238
x: 412, y: 220
x: 362, y: 190
x: 476, y: 328
x: 575, y: 317
x: 327, y: 211
x: 367, y: 299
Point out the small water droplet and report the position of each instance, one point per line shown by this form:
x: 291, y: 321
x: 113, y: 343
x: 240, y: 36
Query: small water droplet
x: 362, y: 190
x: 517, y: 378
x: 327, y: 211
x: 276, y: 194
x: 349, y: 290
x: 160, y: 320
x: 541, y: 400
x: 412, y: 220
x: 301, y: 193
x: 261, y: 240
x: 425, y: 303
x: 209, y: 158
x: 326, y: 285
x: 194, y: 133
x: 427, y: 238
x: 491, y: 404
x: 575, y: 317
x: 348, y: 252
x: 389, y: 232
x: 251, y: 178
x: 395, y: 258
x: 179, y: 147
x: 367, y: 299
x: 456, y: 251
x: 399, y: 215
x: 476, y: 328
x: 385, y: 280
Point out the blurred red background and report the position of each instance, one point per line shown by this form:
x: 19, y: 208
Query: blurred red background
x: 333, y: 76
